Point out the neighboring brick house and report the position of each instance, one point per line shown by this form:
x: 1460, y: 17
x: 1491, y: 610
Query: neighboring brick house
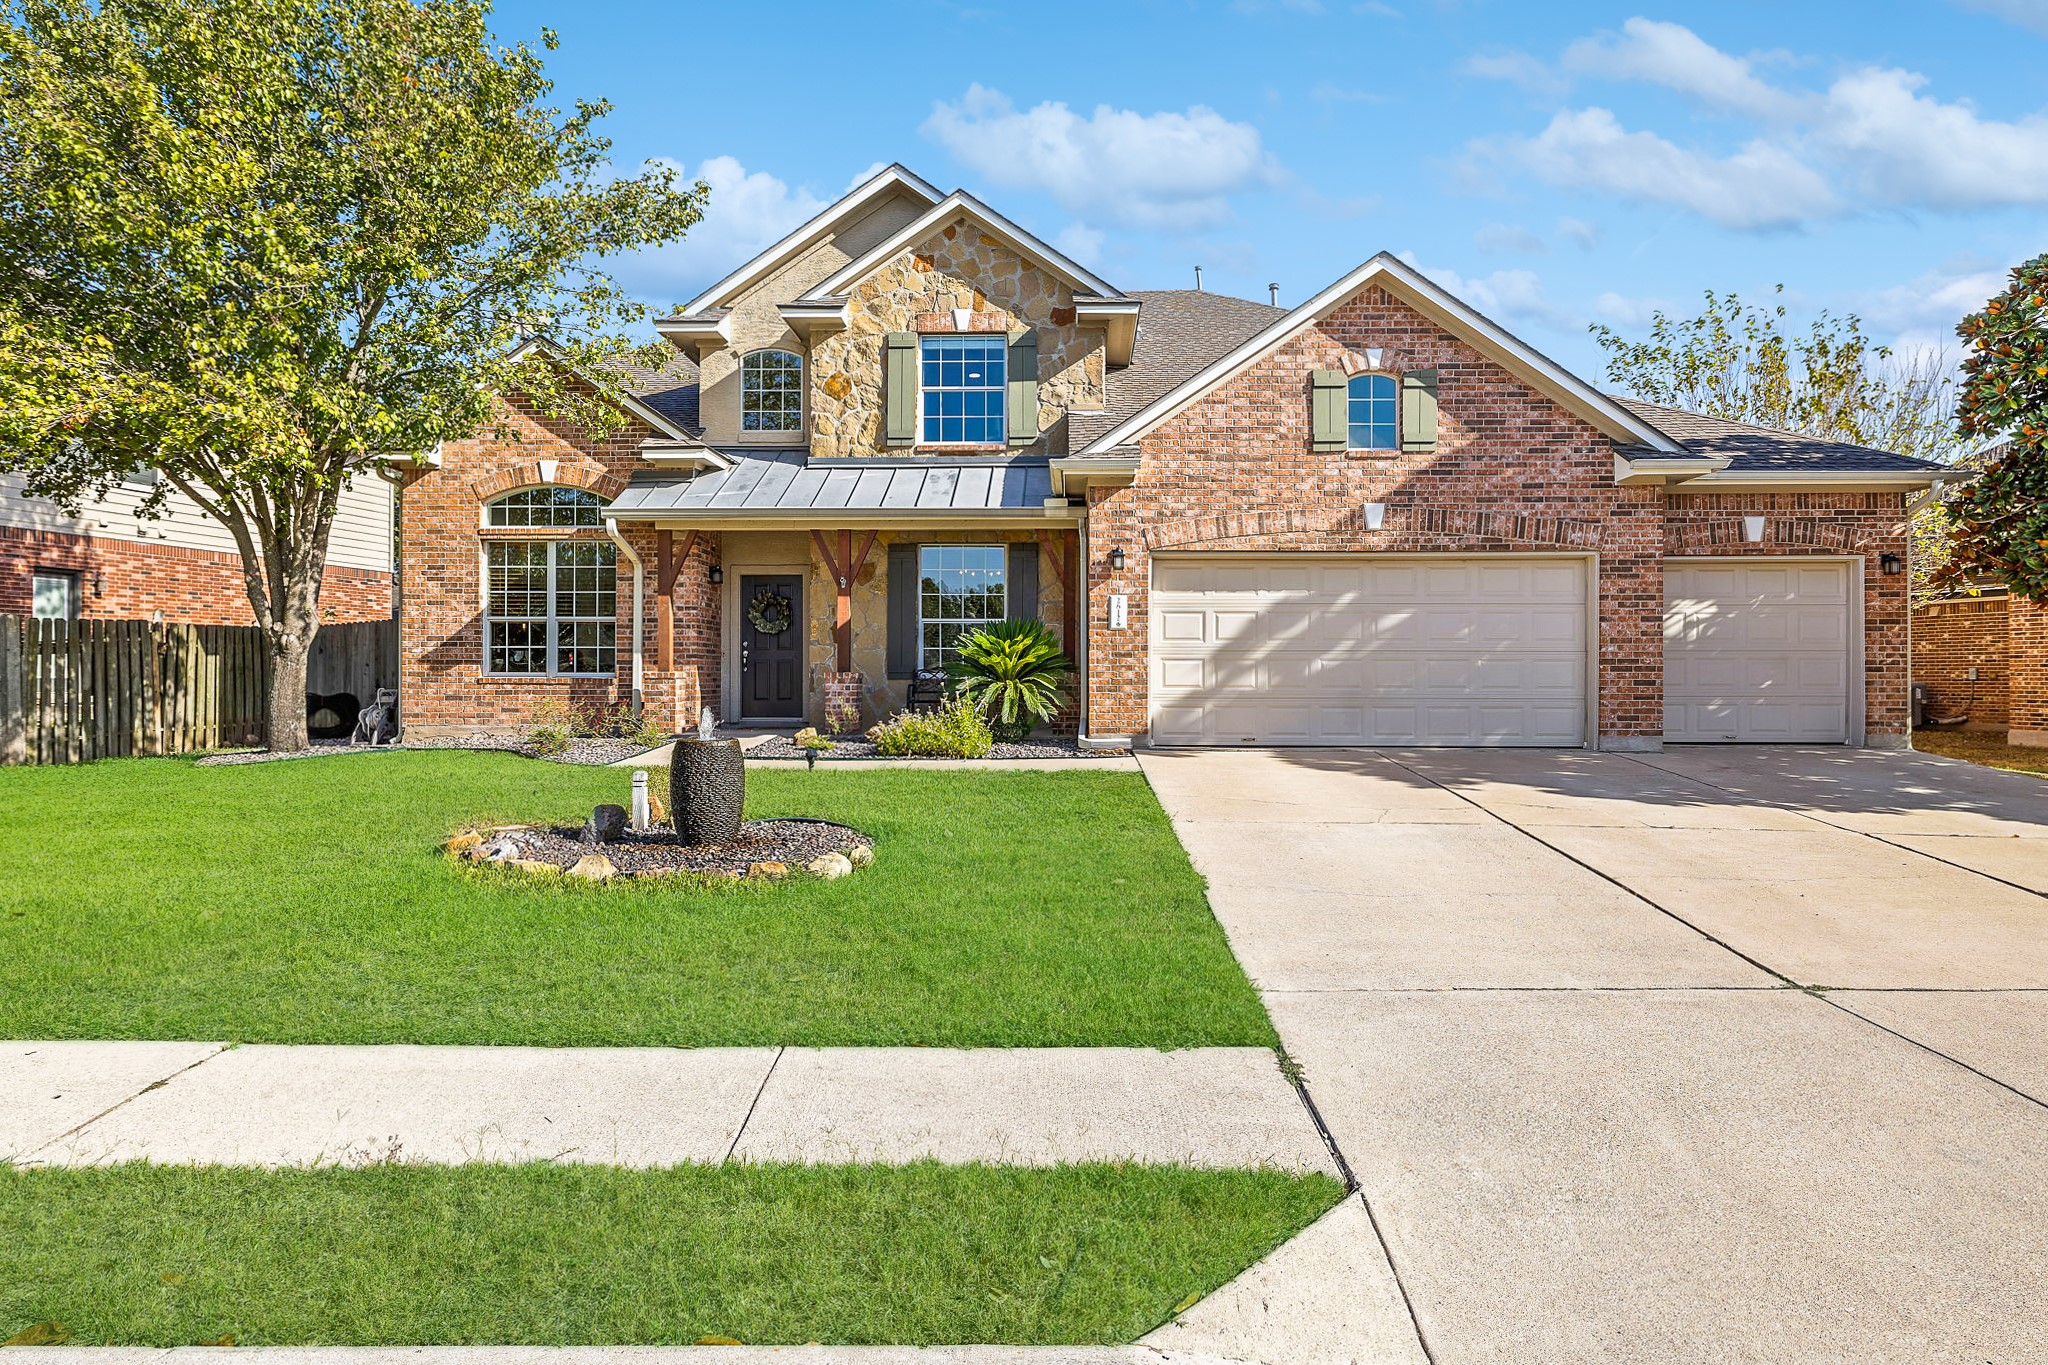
x: 112, y: 563
x: 1961, y: 649
x: 1376, y: 518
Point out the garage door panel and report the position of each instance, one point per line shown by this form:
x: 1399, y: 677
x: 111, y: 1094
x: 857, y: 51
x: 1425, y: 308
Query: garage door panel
x: 1757, y: 653
x: 1182, y: 627
x: 1473, y: 651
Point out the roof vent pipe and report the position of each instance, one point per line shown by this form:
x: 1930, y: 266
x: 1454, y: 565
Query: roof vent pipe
x: 1273, y: 291
x: 1198, y: 279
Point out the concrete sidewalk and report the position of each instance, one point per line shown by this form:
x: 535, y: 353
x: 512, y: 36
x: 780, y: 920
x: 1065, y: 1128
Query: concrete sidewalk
x: 605, y: 1355
x: 84, y: 1103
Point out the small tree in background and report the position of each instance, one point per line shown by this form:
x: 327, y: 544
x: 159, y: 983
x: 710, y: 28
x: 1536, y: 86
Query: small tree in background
x: 1998, y: 523
x: 1740, y: 362
x: 259, y: 246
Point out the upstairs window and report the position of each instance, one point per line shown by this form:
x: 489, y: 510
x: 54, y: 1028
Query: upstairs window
x: 550, y: 508
x: 964, y: 384
x: 772, y: 392
x: 1375, y: 412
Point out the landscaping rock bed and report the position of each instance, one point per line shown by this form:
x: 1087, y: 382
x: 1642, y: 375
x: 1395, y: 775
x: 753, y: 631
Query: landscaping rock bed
x: 593, y: 753
x: 765, y: 849
x: 780, y: 746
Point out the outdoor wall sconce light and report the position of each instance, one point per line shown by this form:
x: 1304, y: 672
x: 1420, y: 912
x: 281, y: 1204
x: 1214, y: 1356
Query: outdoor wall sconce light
x: 718, y: 573
x: 1753, y: 530
x: 99, y: 584
x: 1375, y: 515
x: 1116, y: 559
x: 1890, y: 564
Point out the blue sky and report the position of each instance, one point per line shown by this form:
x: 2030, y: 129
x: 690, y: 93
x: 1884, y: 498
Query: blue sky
x: 1556, y: 164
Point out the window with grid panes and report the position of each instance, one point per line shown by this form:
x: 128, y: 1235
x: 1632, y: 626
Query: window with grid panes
x: 963, y: 387
x: 550, y: 606
x: 961, y: 588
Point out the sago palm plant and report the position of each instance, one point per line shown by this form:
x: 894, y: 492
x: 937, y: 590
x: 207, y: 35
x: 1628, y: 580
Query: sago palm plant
x: 1013, y: 673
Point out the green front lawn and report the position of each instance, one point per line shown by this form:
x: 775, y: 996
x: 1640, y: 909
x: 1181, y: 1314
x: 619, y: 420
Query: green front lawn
x: 307, y: 902
x: 504, y: 1255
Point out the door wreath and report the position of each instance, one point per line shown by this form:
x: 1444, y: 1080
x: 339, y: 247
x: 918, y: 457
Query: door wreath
x: 770, y: 612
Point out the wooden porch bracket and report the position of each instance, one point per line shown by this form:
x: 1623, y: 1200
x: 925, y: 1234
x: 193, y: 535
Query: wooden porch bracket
x: 667, y: 564
x: 1056, y: 554
x: 844, y: 568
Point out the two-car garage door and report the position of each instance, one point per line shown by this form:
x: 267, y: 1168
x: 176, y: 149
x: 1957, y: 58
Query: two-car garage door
x: 1485, y: 650
x: 1300, y: 649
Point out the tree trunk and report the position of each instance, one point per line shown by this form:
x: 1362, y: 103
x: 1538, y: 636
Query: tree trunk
x: 287, y: 707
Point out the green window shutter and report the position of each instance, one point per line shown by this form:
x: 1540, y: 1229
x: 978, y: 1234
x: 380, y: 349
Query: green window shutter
x: 899, y: 389
x: 1329, y: 411
x: 1418, y: 410
x: 1022, y: 400
x: 903, y: 653
x: 1021, y: 588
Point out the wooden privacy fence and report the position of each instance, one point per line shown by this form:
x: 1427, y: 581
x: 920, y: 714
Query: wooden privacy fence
x: 74, y: 691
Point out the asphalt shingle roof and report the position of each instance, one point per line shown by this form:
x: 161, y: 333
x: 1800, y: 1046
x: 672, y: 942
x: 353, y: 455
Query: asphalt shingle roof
x: 1179, y: 332
x: 1762, y: 449
x: 670, y: 389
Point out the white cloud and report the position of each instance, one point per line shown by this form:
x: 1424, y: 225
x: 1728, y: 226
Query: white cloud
x: 1761, y: 186
x: 1081, y: 242
x: 1921, y: 314
x: 1872, y: 139
x: 1166, y: 170
x: 1505, y: 295
x: 747, y: 211
x: 1624, y: 311
x: 1579, y: 232
x: 1673, y: 56
x: 1517, y: 68
x: 2031, y: 14
x: 1503, y: 239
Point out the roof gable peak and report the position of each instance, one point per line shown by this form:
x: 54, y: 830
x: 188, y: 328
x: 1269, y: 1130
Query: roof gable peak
x: 961, y: 204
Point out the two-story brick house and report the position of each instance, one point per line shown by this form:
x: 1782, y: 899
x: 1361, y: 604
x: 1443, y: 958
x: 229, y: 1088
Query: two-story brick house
x: 1376, y: 518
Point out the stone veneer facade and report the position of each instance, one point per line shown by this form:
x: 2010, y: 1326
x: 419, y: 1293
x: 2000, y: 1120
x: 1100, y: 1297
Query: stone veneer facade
x: 1513, y: 472
x: 129, y: 580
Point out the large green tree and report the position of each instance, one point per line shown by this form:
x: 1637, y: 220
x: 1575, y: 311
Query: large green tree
x: 1998, y: 523
x: 261, y: 246
x: 1745, y: 363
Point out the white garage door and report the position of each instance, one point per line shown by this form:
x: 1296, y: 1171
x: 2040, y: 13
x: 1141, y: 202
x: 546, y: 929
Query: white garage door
x: 1301, y: 649
x: 1756, y: 653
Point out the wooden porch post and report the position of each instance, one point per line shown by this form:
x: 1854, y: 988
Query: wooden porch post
x: 844, y: 568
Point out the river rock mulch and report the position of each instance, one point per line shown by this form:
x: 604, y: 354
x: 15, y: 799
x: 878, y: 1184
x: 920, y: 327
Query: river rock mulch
x: 850, y: 748
x: 764, y: 849
x: 594, y: 753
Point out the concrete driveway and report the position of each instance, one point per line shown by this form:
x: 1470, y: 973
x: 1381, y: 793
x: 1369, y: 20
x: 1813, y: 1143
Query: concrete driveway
x: 1715, y: 1055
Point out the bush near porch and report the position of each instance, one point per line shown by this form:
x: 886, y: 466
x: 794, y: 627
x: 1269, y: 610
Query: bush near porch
x: 308, y: 902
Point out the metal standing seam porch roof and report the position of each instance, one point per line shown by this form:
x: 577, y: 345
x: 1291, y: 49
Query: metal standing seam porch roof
x: 789, y: 483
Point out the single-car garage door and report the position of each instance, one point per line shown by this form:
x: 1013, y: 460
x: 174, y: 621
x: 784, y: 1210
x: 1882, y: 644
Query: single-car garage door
x: 1305, y: 649
x: 1756, y: 652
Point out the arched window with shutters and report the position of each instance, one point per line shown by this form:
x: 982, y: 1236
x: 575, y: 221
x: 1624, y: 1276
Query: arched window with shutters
x: 772, y: 391
x: 550, y: 603
x: 1374, y: 412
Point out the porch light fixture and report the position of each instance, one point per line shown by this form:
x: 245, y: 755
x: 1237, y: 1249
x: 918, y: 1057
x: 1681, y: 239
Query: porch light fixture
x: 1375, y: 515
x: 717, y: 573
x: 1890, y: 564
x: 1753, y: 530
x: 1116, y: 559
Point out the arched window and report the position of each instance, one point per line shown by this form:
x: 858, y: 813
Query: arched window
x: 1375, y: 412
x: 550, y: 605
x: 552, y: 507
x: 772, y: 391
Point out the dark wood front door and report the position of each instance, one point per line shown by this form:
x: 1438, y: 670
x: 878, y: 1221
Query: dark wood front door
x: 771, y: 663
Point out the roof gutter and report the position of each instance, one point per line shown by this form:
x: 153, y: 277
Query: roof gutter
x: 1632, y: 471
x: 1075, y: 473
x: 1824, y: 481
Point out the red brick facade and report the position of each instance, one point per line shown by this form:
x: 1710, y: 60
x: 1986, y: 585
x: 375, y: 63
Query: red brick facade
x: 1513, y: 472
x: 129, y: 580
x: 1949, y: 639
x: 2027, y: 641
x: 443, y: 684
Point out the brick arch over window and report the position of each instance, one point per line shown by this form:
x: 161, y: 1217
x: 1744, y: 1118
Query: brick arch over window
x: 1402, y: 525
x: 591, y: 478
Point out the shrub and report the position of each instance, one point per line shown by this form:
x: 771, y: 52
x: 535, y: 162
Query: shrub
x: 650, y: 733
x: 955, y: 730
x: 1014, y: 673
x: 553, y: 724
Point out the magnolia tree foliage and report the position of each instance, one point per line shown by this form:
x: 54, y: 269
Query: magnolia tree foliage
x: 1742, y: 363
x: 259, y: 246
x: 1998, y: 523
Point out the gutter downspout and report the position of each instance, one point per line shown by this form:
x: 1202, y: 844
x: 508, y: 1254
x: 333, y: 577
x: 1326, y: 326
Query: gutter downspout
x: 1082, y: 610
x: 611, y: 528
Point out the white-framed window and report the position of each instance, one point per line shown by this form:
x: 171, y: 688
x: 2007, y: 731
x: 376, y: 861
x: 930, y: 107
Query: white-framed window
x: 772, y: 391
x: 1375, y: 415
x: 55, y: 594
x: 550, y: 606
x: 964, y: 384
x: 960, y: 587
x: 550, y: 508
